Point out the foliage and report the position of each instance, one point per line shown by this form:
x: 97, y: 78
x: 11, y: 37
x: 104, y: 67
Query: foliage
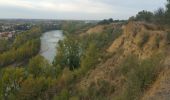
x: 168, y: 36
x: 27, y: 50
x: 144, y: 39
x: 22, y: 38
x: 90, y: 59
x: 105, y: 21
x: 74, y: 27
x: 159, y: 16
x: 34, y: 88
x: 102, y: 40
x: 139, y: 75
x: 11, y: 79
x: 144, y: 16
x: 28, y: 83
x: 68, y: 53
x: 110, y: 20
x: 38, y: 66
x: 4, y: 45
x: 168, y: 12
x: 64, y: 95
x: 97, y: 91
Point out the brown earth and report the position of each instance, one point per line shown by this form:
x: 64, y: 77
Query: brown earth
x: 129, y: 43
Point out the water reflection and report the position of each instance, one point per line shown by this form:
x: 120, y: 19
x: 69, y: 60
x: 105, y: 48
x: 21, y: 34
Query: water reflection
x: 49, y: 41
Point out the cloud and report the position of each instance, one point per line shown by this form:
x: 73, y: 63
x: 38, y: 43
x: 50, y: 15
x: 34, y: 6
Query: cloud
x: 91, y: 9
x: 87, y: 6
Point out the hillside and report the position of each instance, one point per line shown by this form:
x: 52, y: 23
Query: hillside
x: 143, y: 40
x: 113, y: 61
x: 92, y: 50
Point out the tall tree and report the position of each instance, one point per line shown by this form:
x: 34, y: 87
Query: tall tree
x: 144, y: 16
x: 11, y: 79
x: 68, y: 53
x: 168, y: 12
x: 91, y: 57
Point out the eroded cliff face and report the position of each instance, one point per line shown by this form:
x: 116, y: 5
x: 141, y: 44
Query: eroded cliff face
x: 101, y: 28
x: 138, y: 38
x: 160, y: 90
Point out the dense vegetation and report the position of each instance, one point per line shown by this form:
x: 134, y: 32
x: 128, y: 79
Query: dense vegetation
x: 39, y: 79
x: 110, y: 20
x: 24, y: 46
x: 4, y: 45
x: 77, y: 55
x: 139, y: 75
x: 160, y: 16
x: 22, y: 53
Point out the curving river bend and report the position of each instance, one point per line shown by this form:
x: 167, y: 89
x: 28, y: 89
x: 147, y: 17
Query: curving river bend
x: 49, y: 42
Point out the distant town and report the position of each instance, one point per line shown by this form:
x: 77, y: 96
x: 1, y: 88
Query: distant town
x: 8, y: 31
x: 9, y: 28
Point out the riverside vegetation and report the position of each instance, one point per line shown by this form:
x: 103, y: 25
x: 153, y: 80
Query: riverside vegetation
x: 104, y: 61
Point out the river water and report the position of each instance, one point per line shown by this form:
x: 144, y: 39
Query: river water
x: 49, y: 42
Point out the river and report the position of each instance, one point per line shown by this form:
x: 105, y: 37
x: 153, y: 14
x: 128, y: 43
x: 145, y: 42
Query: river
x: 49, y: 42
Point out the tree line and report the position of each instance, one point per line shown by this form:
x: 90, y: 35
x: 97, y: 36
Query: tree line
x: 22, y: 53
x: 75, y: 57
x: 24, y: 46
x: 160, y: 16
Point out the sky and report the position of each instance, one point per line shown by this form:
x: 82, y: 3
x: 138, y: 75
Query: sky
x: 76, y: 9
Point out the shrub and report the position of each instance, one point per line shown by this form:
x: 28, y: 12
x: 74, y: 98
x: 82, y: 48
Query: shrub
x: 98, y: 91
x: 168, y: 36
x: 145, y: 38
x: 144, y: 16
x: 68, y: 53
x: 139, y: 74
x: 64, y: 95
x: 128, y: 64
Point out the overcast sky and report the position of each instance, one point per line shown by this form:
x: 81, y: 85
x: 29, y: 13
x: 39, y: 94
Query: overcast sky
x: 75, y: 9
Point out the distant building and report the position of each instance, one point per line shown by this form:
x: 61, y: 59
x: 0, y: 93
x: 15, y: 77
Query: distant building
x: 7, y: 35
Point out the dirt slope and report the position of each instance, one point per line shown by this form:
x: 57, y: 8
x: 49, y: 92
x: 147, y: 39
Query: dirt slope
x: 160, y: 90
x: 138, y: 38
x: 101, y: 28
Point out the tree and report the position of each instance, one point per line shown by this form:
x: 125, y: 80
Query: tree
x: 10, y: 82
x: 34, y: 88
x: 168, y: 12
x: 106, y: 21
x: 68, y: 53
x: 38, y: 66
x: 90, y: 57
x: 27, y: 50
x: 22, y: 38
x: 144, y: 16
x: 159, y: 16
x: 4, y: 45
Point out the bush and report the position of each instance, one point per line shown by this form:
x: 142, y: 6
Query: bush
x: 10, y: 82
x: 168, y: 36
x: 145, y: 38
x: 34, y: 88
x: 68, y: 53
x: 39, y: 66
x: 139, y: 76
x: 128, y: 64
x: 144, y: 16
x: 98, y: 91
x: 64, y: 95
